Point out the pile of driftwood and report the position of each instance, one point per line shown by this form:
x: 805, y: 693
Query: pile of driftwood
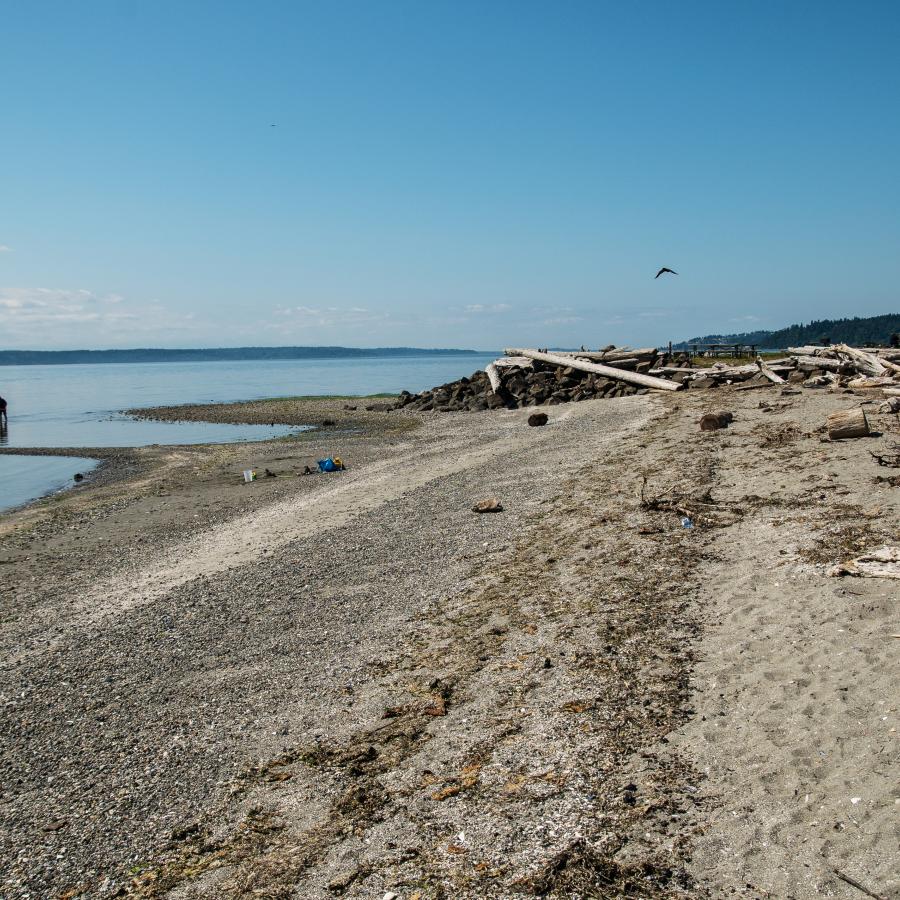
x: 527, y: 377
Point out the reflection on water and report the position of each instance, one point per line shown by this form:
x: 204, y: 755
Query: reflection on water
x: 77, y: 406
x: 22, y: 478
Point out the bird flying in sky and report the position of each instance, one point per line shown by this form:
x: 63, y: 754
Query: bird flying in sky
x: 664, y: 269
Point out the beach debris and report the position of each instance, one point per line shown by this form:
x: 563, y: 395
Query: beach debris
x: 574, y: 361
x: 271, y: 474
x: 493, y: 373
x: 342, y: 881
x: 329, y: 423
x: 848, y: 879
x: 249, y: 475
x: 308, y: 471
x: 890, y: 405
x: 331, y: 464
x: 768, y: 372
x: 490, y: 505
x: 890, y: 458
x: 78, y: 476
x: 881, y: 563
x: 870, y: 381
x: 851, y: 423
x: 687, y: 522
x: 537, y: 419
x: 527, y: 377
x: 437, y: 707
x: 347, y: 406
x: 714, y: 421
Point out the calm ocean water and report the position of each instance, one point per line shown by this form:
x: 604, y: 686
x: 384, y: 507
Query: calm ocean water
x: 78, y: 406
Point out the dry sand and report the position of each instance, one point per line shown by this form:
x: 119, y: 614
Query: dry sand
x: 351, y: 685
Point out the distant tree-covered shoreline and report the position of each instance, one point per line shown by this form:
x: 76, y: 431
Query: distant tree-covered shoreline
x: 875, y: 330
x: 70, y: 357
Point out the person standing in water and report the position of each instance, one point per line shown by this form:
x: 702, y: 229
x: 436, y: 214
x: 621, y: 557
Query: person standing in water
x: 4, y: 419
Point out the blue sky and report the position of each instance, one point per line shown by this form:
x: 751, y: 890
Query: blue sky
x: 443, y: 173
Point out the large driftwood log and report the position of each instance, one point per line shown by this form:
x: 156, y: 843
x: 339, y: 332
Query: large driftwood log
x: 870, y: 381
x: 513, y: 362
x: 554, y: 359
x: 505, y: 362
x: 807, y: 363
x: 493, y: 374
x: 624, y: 363
x: 867, y: 363
x: 612, y: 355
x: 811, y: 351
x: 772, y: 376
x: 849, y: 424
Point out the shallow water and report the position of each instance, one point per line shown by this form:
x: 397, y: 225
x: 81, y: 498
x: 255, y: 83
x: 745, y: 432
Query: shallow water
x: 46, y: 474
x: 78, y: 406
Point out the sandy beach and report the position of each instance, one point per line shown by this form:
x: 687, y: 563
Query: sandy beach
x: 353, y: 685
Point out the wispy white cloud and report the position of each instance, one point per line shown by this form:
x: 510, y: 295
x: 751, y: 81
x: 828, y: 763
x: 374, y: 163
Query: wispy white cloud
x: 561, y: 320
x: 50, y: 317
x: 745, y: 319
x: 5, y: 249
x: 476, y: 308
x: 296, y: 318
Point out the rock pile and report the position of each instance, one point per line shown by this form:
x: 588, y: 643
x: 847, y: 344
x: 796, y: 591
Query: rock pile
x: 539, y: 385
x: 518, y: 381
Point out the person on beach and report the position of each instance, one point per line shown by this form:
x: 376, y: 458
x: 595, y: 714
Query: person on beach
x: 4, y: 419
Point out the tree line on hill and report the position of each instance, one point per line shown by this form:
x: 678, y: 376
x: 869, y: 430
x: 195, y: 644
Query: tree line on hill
x: 871, y: 330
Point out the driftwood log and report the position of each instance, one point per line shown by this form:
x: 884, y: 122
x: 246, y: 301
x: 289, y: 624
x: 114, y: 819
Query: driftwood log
x: 870, y: 381
x: 612, y: 355
x: 514, y: 362
x: 638, y: 378
x: 849, y: 424
x: 865, y: 362
x: 771, y: 375
x: 808, y: 363
x: 493, y: 374
x: 881, y: 563
x: 809, y: 350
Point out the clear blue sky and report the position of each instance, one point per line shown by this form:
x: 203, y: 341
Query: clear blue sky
x: 443, y: 173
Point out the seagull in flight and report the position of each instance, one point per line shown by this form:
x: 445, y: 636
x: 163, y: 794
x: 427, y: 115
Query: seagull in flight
x: 664, y: 269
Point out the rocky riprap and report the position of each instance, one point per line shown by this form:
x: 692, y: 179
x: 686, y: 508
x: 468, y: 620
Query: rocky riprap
x: 542, y: 384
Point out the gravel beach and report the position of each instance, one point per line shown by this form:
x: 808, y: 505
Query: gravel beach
x: 353, y: 685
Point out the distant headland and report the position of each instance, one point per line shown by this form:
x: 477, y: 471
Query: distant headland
x: 214, y: 354
x: 858, y: 331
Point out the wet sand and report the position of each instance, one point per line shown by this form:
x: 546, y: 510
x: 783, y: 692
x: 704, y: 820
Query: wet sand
x: 351, y: 684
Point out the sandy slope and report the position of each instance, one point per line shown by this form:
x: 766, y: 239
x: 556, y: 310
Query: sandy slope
x: 354, y: 686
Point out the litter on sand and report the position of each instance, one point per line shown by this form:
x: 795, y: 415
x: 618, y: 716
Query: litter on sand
x: 331, y: 464
x: 249, y: 475
x: 881, y: 563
